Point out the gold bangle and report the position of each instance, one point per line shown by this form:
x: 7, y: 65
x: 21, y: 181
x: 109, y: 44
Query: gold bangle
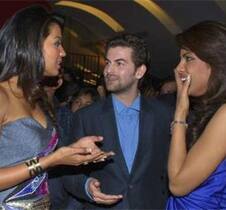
x: 34, y: 166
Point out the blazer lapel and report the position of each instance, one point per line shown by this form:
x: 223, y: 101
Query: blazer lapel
x: 111, y: 133
x: 145, y: 145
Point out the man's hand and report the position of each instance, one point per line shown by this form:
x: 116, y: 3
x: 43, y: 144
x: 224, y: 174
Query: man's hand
x: 99, y: 197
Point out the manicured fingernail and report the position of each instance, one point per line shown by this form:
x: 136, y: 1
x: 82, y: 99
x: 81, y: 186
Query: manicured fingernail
x: 189, y: 78
x: 89, y: 150
x: 111, y: 153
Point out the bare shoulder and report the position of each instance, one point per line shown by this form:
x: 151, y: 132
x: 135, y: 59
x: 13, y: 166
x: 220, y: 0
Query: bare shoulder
x: 223, y: 108
x: 4, y: 104
x: 220, y: 114
x: 216, y: 127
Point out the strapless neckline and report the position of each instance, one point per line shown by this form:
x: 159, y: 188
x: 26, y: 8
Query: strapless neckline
x: 31, y: 119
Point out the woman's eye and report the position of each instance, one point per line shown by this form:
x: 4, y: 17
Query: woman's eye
x: 188, y: 58
x: 57, y: 44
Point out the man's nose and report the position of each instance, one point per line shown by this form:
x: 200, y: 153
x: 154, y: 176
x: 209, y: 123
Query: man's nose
x: 109, y: 69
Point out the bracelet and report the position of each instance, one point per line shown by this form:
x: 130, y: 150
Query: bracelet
x: 34, y: 166
x: 179, y: 122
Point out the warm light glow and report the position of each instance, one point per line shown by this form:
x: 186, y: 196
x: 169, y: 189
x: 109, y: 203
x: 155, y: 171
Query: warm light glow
x: 74, y: 34
x: 160, y: 14
x: 94, y: 11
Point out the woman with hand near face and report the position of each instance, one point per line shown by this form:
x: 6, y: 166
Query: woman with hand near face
x: 31, y: 48
x: 197, y: 164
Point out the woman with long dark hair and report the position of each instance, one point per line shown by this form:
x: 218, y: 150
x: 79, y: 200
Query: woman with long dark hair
x: 197, y: 164
x: 31, y: 48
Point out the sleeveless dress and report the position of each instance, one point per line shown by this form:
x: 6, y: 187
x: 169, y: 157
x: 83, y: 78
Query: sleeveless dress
x: 21, y: 140
x: 210, y: 195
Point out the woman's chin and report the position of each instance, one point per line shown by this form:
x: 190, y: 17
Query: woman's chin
x: 195, y: 94
x: 51, y: 73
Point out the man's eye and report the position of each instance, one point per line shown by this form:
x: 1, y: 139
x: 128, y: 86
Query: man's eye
x: 120, y: 63
x: 106, y: 63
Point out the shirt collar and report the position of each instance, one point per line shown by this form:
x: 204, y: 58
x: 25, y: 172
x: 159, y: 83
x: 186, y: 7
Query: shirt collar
x: 119, y: 106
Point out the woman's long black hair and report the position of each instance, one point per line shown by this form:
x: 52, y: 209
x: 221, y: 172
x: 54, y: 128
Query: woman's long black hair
x: 207, y: 40
x: 21, y: 44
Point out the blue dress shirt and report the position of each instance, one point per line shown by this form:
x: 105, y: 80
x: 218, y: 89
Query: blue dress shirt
x: 127, y: 120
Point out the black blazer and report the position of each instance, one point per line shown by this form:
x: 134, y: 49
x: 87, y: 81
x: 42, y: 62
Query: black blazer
x: 146, y: 187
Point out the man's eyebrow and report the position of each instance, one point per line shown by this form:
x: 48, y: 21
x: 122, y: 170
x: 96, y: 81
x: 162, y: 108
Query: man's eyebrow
x: 120, y: 59
x: 116, y: 60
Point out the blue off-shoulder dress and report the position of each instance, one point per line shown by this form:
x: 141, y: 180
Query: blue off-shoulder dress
x: 210, y: 195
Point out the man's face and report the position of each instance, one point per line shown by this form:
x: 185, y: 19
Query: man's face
x: 120, y: 72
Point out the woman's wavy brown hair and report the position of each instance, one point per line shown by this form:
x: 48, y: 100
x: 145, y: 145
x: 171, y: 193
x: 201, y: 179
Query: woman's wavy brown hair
x: 208, y: 41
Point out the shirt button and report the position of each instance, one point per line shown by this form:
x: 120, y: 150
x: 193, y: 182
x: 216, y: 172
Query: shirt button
x: 130, y: 186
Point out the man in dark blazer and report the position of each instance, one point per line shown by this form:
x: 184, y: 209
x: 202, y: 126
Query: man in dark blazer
x: 135, y: 128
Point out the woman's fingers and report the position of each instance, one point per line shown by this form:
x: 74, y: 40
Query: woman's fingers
x: 178, y: 79
x: 103, y: 157
x: 85, y: 150
x: 88, y: 142
x: 78, y: 155
x: 97, y: 157
x: 81, y: 150
x: 187, y: 82
x: 91, y: 139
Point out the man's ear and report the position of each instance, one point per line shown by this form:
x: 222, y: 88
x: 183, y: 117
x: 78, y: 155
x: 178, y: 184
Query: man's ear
x: 140, y: 71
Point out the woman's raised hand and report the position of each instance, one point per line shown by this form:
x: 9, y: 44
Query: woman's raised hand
x: 82, y: 151
x: 183, y: 83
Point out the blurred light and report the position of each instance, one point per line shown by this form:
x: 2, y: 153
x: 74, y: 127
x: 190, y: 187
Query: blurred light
x: 74, y: 34
x: 160, y: 14
x: 113, y: 24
